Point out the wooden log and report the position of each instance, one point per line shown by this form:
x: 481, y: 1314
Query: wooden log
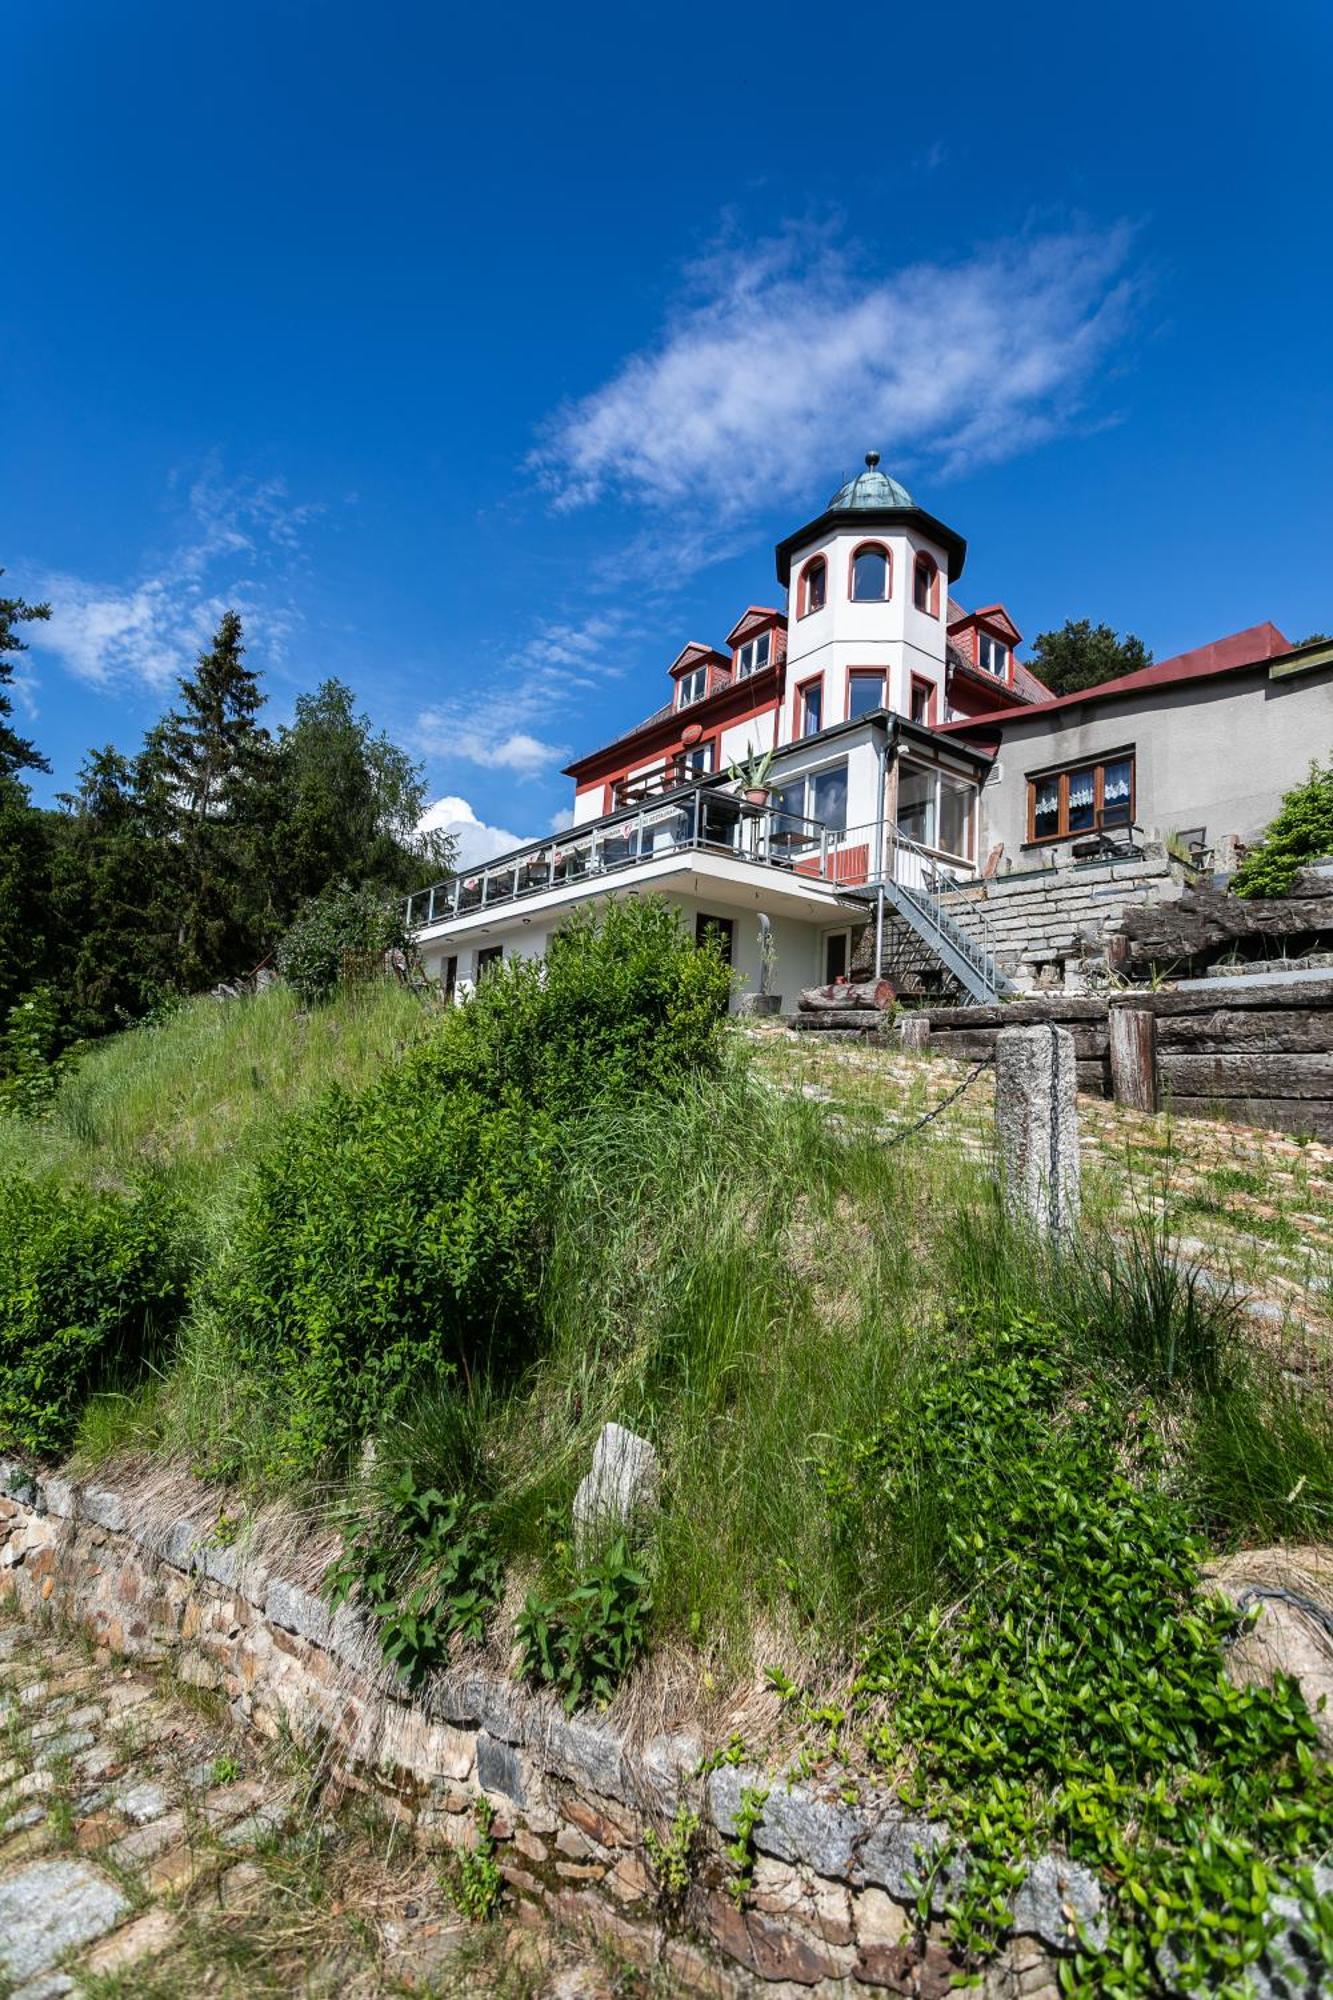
x: 1094, y: 1078
x: 1065, y: 1008
x: 1311, y: 1117
x: 1133, y: 1052
x: 1245, y: 1031
x: 1246, y: 1076
x: 1090, y: 1042
x: 1315, y: 995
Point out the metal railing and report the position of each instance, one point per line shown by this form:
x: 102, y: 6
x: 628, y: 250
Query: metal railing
x: 692, y: 817
x: 854, y: 859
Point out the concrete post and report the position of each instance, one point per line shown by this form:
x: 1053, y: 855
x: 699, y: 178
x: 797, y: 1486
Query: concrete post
x: 1036, y: 1120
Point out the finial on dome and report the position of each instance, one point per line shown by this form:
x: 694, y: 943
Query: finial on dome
x: 872, y: 459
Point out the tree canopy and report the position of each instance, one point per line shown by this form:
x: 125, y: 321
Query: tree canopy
x: 1081, y: 655
x: 166, y: 870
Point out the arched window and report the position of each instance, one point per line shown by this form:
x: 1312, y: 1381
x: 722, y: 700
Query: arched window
x: 926, y: 586
x: 871, y: 574
x: 814, y: 587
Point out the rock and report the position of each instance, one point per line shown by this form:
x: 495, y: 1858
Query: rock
x: 498, y: 1769
x: 51, y: 1908
x: 588, y: 1752
x: 105, y: 1508
x: 298, y: 1611
x: 1060, y: 1903
x: 1293, y: 1591
x: 623, y: 1484
x: 797, y: 1826
x: 899, y: 1854
x: 925, y: 1971
x: 58, y: 1497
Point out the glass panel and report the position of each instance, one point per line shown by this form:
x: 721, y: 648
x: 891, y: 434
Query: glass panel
x: 815, y: 587
x: 870, y: 575
x: 921, y: 693
x: 812, y: 709
x: 955, y: 817
x: 1046, y: 808
x: 761, y: 646
x: 924, y: 578
x: 1082, y: 793
x: 864, y: 693
x: 828, y: 798
x: 916, y: 804
x: 786, y: 817
x: 1117, y: 785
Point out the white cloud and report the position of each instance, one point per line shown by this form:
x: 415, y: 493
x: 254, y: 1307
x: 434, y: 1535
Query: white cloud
x: 474, y: 840
x: 789, y: 356
x: 236, y: 546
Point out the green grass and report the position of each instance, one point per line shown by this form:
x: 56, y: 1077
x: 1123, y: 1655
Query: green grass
x: 201, y: 1090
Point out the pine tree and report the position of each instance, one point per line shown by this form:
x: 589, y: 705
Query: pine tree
x: 1082, y: 655
x: 16, y: 752
x: 206, y: 779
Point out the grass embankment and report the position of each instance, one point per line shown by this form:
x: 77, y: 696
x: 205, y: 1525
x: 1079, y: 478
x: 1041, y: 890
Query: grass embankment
x: 953, y: 1494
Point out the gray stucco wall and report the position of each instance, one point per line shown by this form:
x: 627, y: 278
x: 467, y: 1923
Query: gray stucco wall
x: 1212, y: 753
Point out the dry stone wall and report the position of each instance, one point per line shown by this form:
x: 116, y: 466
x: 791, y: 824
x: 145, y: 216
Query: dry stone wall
x: 1047, y: 927
x: 832, y: 1891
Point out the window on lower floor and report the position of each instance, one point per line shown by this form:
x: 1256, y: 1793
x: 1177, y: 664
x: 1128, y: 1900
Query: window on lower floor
x: 450, y: 974
x: 1084, y: 798
x: 935, y: 810
x: 487, y: 956
x: 717, y: 931
x: 865, y: 691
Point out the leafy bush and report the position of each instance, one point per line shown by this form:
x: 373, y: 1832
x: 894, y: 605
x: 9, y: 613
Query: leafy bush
x: 1301, y: 833
x: 623, y: 1003
x: 30, y: 1063
x: 472, y: 1876
x: 423, y: 1569
x: 385, y: 1243
x: 341, y: 923
x: 90, y: 1285
x: 1067, y: 1684
x: 585, y: 1640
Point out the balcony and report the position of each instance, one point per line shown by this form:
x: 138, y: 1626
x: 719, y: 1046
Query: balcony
x: 698, y: 820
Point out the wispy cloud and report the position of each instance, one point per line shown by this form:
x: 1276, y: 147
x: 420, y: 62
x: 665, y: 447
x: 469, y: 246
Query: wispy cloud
x: 236, y: 544
x: 508, y: 728
x: 790, y: 356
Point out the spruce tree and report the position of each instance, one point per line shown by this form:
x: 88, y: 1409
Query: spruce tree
x: 206, y: 779
x: 16, y: 752
x: 1082, y: 655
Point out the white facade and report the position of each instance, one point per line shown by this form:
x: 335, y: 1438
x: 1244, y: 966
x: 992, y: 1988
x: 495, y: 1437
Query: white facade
x: 847, y: 634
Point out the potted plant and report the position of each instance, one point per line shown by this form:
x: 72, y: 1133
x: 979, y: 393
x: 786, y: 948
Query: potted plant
x: 750, y: 777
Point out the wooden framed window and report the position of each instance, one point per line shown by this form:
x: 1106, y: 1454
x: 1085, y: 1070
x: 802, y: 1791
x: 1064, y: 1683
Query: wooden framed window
x: 813, y: 593
x: 992, y: 656
x: 1082, y: 798
x: 809, y: 719
x: 487, y: 956
x: 926, y: 586
x: 692, y: 687
x: 923, y: 701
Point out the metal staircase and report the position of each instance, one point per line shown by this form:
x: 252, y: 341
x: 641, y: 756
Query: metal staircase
x: 924, y: 945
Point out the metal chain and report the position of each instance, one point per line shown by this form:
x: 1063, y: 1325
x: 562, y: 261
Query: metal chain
x: 909, y: 1131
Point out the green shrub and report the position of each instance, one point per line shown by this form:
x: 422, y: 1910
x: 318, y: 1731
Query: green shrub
x: 423, y: 1568
x: 30, y: 1063
x: 623, y: 1003
x: 584, y: 1640
x: 90, y: 1286
x: 1066, y: 1683
x: 1301, y: 833
x: 384, y: 1244
x: 339, y: 924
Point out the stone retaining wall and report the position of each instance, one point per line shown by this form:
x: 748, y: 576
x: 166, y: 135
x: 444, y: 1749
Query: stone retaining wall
x: 1047, y: 927
x: 1258, y: 1051
x: 830, y: 1907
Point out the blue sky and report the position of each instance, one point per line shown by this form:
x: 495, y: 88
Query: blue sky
x: 480, y: 357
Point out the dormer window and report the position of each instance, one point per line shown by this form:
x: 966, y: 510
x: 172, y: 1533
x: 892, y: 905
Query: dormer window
x: 813, y: 594
x: 992, y: 655
x: 692, y: 687
x: 926, y: 586
x: 753, y: 656
x: 871, y: 574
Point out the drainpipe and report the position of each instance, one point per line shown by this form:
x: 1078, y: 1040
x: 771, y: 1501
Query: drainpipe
x: 886, y: 745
